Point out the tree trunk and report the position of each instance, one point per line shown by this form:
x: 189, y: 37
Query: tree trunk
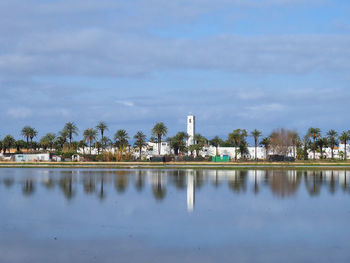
x: 332, y: 152
x: 314, y: 146
x: 159, y: 144
x: 345, y: 157
x: 256, y: 147
x: 140, y: 153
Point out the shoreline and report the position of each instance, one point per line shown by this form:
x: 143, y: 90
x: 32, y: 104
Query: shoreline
x: 177, y: 165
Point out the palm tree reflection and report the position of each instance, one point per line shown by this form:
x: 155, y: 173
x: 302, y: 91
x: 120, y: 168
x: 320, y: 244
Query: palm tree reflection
x: 282, y: 183
x: 121, y: 181
x: 158, y: 187
x: 66, y: 185
x: 28, y: 187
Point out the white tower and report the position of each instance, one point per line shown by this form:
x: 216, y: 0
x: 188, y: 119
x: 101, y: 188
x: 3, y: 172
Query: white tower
x: 190, y: 129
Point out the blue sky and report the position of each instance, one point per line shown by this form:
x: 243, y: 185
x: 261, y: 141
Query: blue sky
x: 233, y: 63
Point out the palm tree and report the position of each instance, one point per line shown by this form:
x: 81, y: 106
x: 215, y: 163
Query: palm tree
x: 8, y: 142
x: 90, y: 136
x: 256, y: 134
x: 178, y: 142
x: 48, y: 140
x: 322, y: 143
x: 20, y: 144
x: 121, y: 138
x: 102, y: 127
x: 82, y: 144
x: 26, y: 132
x: 32, y: 134
x: 140, y: 141
x: 216, y: 143
x: 237, y: 137
x: 71, y: 129
x: 266, y: 143
x: 200, y: 142
x: 344, y: 138
x: 314, y: 133
x: 332, y: 140
x: 159, y: 130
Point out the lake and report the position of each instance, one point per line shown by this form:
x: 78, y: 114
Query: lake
x: 264, y: 215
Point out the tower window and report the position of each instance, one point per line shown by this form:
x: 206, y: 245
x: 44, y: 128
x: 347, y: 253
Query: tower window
x: 189, y: 120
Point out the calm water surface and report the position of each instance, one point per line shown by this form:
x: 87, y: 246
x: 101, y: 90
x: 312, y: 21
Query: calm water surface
x: 174, y: 215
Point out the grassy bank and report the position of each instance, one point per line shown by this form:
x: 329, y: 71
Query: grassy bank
x: 178, y: 165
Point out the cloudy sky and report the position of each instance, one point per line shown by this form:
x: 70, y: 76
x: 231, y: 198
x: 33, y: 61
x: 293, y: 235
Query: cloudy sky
x: 233, y: 63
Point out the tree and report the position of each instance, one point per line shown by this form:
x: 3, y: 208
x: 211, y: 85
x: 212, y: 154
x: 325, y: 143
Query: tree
x: 90, y: 136
x: 28, y: 133
x: 332, y: 140
x: 295, y: 142
x: 314, y: 133
x: 344, y: 138
x: 216, y: 141
x: 71, y: 129
x: 48, y: 140
x: 265, y: 142
x: 200, y: 142
x: 121, y: 138
x: 102, y: 127
x: 20, y: 144
x: 8, y: 142
x: 306, y: 144
x: 178, y: 142
x: 159, y: 130
x: 82, y: 144
x: 140, y: 141
x: 256, y: 134
x: 237, y: 138
x: 281, y: 141
x: 322, y: 143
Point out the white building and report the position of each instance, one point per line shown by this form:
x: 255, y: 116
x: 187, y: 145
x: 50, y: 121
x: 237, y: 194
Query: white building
x: 191, y: 129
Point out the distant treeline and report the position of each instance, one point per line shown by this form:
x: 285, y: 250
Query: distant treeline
x: 280, y: 141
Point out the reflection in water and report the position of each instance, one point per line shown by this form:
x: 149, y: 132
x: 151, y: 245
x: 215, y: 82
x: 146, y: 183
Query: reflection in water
x: 280, y: 183
x: 190, y: 192
x: 28, y: 187
x: 158, y: 186
x: 284, y: 183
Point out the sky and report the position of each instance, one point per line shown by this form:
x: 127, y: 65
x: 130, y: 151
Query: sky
x: 249, y: 64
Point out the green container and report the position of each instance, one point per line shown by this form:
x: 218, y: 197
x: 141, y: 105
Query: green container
x: 222, y: 159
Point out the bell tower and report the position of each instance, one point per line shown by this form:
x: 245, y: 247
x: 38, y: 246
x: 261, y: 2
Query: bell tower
x: 191, y: 129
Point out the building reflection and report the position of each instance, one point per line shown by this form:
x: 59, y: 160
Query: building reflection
x: 101, y: 184
x: 190, y: 191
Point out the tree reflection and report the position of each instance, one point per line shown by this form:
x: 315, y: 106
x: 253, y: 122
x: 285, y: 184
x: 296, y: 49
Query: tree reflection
x: 313, y: 183
x: 237, y: 182
x: 66, y: 185
x: 284, y: 183
x: 89, y: 184
x: 158, y: 188
x: 28, y: 187
x: 140, y: 181
x: 101, y: 193
x: 48, y: 183
x: 8, y: 182
x: 121, y: 181
x: 332, y: 183
x: 199, y: 178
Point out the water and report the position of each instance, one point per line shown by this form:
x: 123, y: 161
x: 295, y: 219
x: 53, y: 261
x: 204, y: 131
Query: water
x: 174, y: 215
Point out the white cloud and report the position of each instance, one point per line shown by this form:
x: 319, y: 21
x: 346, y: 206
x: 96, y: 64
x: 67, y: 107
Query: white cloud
x: 19, y: 112
x: 125, y: 103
